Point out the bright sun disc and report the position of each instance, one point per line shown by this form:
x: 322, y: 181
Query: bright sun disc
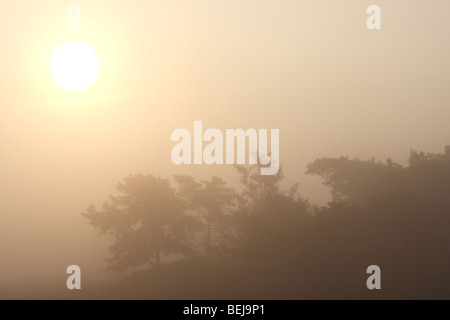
x: 75, y: 66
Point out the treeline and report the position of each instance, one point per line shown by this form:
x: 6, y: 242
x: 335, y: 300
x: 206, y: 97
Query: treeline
x: 203, y: 239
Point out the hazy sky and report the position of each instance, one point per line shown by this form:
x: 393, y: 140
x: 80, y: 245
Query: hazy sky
x: 309, y: 68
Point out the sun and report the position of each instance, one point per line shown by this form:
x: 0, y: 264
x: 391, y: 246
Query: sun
x: 75, y: 66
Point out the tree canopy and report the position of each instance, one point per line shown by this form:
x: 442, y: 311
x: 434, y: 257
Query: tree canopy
x: 146, y: 220
x: 266, y: 241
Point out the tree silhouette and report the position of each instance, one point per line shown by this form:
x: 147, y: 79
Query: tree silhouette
x: 146, y: 221
x: 264, y: 194
x: 383, y: 213
x: 397, y: 216
x: 258, y: 189
x: 210, y: 200
x: 354, y: 180
x: 269, y: 215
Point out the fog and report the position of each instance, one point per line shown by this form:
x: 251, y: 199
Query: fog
x: 311, y: 69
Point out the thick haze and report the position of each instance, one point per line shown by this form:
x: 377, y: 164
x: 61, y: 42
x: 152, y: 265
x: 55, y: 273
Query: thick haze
x: 309, y: 68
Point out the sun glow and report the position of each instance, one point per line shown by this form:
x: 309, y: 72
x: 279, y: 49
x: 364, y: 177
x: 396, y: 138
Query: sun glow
x: 75, y: 66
